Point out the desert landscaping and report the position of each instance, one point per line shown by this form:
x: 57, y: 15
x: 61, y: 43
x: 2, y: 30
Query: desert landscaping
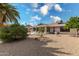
x: 30, y: 30
x: 51, y: 45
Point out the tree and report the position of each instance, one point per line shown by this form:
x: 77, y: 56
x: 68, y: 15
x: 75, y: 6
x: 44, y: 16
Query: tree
x: 8, y: 13
x: 61, y: 22
x: 72, y: 23
x: 41, y: 24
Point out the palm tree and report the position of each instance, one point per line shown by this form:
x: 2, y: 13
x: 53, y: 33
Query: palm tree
x: 8, y: 13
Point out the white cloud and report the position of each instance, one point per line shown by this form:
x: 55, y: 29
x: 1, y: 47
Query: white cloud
x: 55, y: 18
x: 32, y: 23
x: 35, y: 18
x: 35, y: 5
x: 57, y: 7
x: 35, y: 10
x: 28, y: 9
x: 44, y: 9
x: 50, y: 5
x: 51, y: 16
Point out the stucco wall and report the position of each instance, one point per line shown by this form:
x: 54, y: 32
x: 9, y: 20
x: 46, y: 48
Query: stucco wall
x: 73, y: 32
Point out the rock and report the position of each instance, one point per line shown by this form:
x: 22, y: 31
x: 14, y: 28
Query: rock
x: 1, y: 42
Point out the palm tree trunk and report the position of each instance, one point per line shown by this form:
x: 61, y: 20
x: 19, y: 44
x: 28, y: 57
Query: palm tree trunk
x: 1, y: 19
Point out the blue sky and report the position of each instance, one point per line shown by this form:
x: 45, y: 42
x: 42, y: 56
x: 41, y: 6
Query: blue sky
x: 34, y: 14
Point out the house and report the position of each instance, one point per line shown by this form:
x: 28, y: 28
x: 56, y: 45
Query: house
x: 52, y: 28
x: 56, y: 27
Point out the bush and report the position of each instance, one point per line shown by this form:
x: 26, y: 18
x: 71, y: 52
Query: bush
x: 12, y: 33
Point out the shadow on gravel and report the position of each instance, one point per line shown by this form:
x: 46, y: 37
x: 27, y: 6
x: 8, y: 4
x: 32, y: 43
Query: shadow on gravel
x: 31, y: 47
x: 40, y: 50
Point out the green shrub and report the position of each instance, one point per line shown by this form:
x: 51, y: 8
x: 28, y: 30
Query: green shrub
x: 13, y: 32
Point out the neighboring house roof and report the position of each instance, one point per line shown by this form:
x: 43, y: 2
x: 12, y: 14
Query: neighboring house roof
x: 51, y: 25
x: 56, y: 25
x: 29, y: 26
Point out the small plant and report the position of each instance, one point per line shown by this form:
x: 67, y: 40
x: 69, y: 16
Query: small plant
x: 41, y: 30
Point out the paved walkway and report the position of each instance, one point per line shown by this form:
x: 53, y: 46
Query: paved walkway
x: 49, y: 46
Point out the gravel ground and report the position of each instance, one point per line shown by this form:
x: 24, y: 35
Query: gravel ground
x: 51, y: 45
